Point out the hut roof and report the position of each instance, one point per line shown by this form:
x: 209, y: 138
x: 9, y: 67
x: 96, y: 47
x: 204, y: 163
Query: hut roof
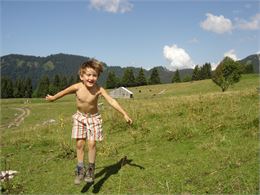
x: 126, y: 90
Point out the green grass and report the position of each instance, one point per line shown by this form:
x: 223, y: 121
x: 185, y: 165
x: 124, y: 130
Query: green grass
x: 190, y: 139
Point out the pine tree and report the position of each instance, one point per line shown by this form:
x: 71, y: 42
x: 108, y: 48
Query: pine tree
x: 10, y: 88
x: 112, y: 81
x: 128, y: 79
x: 176, y: 78
x: 196, y: 73
x: 55, y: 86
x: 71, y: 80
x: 187, y: 78
x: 208, y: 70
x: 154, y: 78
x: 203, y: 73
x: 19, y: 88
x: 28, y: 88
x: 249, y: 68
x: 16, y: 89
x: 43, y: 87
x: 6, y: 87
x: 57, y: 82
x: 141, y: 80
x: 63, y: 83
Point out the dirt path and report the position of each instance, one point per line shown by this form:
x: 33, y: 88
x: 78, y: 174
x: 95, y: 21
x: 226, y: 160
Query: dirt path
x: 25, y: 112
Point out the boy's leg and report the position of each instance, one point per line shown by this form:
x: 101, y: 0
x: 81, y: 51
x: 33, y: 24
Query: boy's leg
x: 91, y: 158
x: 91, y: 151
x: 80, y: 170
x: 80, y: 144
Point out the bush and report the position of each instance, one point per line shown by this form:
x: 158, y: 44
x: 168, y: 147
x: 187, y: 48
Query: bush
x: 227, y: 73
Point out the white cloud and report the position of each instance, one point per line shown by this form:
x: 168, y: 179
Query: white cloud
x: 232, y: 54
x: 112, y: 6
x: 217, y: 24
x: 177, y: 57
x: 252, y: 24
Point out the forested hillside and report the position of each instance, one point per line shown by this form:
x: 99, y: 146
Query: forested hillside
x: 17, y: 66
x: 251, y: 63
x: 32, y: 76
x: 22, y: 66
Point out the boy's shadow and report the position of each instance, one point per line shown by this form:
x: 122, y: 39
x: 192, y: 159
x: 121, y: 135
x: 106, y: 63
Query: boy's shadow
x: 107, y: 172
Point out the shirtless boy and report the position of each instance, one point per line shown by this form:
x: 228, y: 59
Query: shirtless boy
x: 87, y: 122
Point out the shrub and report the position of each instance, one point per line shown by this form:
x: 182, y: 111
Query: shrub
x: 227, y: 73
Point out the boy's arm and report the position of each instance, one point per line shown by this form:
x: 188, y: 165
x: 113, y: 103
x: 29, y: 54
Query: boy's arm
x: 69, y: 90
x: 115, y: 105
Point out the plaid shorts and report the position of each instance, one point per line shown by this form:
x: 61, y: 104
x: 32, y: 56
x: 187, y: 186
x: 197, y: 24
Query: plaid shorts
x: 87, y: 126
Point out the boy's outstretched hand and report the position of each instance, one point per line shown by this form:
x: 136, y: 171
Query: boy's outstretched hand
x: 49, y: 98
x: 128, y: 119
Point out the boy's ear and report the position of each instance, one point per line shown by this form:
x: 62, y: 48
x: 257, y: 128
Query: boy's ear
x: 81, y: 78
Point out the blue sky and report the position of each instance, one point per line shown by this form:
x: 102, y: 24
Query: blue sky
x: 141, y: 33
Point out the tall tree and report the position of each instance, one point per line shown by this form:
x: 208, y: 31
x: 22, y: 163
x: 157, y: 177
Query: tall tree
x: 141, y: 80
x: 28, y: 88
x: 196, y: 73
x: 128, y: 79
x: 6, y: 87
x: 205, y: 71
x: 57, y: 82
x: 63, y: 83
x: 71, y: 80
x: 154, y: 78
x: 112, y: 81
x: 208, y: 70
x: 227, y: 73
x: 187, y: 78
x: 55, y: 86
x: 19, y: 88
x: 43, y: 86
x: 176, y: 77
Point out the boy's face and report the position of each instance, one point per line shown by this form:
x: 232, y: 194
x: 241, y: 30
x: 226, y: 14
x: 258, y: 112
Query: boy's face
x: 89, y: 77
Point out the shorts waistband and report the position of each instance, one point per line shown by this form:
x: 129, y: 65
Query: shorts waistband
x: 88, y: 114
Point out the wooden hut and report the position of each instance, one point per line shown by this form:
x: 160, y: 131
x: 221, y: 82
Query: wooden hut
x: 121, y: 92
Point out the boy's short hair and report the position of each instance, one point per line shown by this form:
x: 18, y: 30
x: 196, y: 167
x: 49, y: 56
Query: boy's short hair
x: 91, y: 63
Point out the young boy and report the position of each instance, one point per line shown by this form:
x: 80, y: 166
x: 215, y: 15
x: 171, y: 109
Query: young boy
x: 87, y: 122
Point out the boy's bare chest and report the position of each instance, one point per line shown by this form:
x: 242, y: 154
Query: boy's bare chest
x: 83, y: 95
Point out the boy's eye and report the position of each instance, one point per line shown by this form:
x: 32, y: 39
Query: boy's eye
x: 94, y: 75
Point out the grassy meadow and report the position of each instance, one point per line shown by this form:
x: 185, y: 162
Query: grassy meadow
x: 187, y: 138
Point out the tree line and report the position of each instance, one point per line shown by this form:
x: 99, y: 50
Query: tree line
x: 129, y: 80
x: 23, y: 88
x: 198, y: 73
x: 227, y: 73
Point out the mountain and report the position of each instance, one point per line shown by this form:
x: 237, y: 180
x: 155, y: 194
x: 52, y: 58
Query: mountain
x: 253, y: 60
x: 21, y: 66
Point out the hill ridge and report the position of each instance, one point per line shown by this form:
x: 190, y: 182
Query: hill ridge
x: 20, y: 65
